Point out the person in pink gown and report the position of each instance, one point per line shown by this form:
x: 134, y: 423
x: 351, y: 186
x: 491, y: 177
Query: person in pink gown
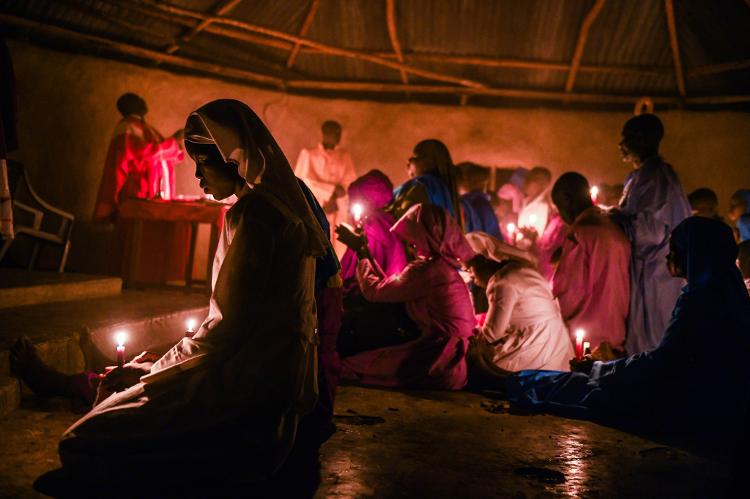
x: 373, y: 191
x: 436, y: 300
x: 592, y: 281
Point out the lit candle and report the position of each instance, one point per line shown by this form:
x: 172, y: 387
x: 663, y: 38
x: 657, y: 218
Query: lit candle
x: 594, y: 194
x: 579, y: 343
x: 357, y: 210
x: 511, y: 228
x: 586, y: 348
x: 190, y: 325
x: 120, y: 339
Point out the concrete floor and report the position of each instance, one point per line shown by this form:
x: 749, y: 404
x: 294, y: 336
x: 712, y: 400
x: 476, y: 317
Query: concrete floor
x: 428, y: 444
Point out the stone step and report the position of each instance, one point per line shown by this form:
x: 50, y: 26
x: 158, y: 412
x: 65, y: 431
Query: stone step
x: 29, y: 287
x: 153, y: 320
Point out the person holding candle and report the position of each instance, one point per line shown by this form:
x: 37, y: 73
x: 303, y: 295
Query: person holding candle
x: 372, y: 192
x: 696, y: 380
x: 523, y: 328
x: 433, y: 301
x: 592, y: 279
x: 653, y: 204
x: 225, y: 402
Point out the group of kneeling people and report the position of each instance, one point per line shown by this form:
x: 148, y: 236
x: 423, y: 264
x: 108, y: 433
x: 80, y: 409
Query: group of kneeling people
x: 228, y: 401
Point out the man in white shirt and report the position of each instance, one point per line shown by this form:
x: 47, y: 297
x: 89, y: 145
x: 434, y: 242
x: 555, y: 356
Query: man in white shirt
x: 328, y: 170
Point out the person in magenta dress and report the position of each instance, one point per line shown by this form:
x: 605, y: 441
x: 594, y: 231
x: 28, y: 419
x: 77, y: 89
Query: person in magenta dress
x: 373, y: 191
x: 436, y: 300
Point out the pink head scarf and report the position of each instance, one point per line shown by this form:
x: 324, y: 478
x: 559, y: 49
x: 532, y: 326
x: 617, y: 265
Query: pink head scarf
x: 434, y: 232
x: 373, y: 190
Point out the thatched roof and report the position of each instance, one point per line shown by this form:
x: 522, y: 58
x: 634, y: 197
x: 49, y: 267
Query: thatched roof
x: 692, y: 53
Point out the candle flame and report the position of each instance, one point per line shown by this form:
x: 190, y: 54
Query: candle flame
x: 511, y: 228
x: 190, y: 324
x: 594, y: 193
x: 357, y: 210
x: 580, y: 334
x: 120, y: 338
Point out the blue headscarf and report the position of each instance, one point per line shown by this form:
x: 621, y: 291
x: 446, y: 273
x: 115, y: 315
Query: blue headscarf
x: 327, y: 265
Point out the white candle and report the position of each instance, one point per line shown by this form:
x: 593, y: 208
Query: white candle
x: 579, y: 343
x: 120, y: 338
x: 166, y: 190
x: 357, y: 210
x: 594, y: 194
x: 190, y: 327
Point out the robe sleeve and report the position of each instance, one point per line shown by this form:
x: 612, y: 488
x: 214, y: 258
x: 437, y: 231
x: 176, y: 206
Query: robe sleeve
x: 124, y: 149
x: 408, y: 285
x: 349, y: 174
x: 570, y: 284
x: 304, y: 169
x: 502, y: 295
x: 253, y: 246
x: 644, y: 208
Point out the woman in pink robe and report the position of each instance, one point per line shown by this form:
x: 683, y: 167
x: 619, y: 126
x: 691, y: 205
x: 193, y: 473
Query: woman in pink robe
x: 373, y: 191
x: 436, y: 300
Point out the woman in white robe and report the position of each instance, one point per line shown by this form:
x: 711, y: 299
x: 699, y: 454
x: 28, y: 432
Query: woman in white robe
x: 523, y: 328
x: 224, y: 403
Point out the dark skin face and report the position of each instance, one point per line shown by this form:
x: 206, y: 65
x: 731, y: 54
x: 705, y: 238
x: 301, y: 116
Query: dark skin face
x: 331, y: 138
x: 417, y: 166
x: 481, y: 270
x: 635, y: 149
x: 217, y: 177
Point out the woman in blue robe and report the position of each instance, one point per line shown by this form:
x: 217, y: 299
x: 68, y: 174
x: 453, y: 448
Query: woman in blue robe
x: 698, y: 378
x: 432, y: 180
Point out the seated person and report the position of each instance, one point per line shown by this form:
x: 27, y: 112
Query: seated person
x: 475, y: 202
x: 704, y: 203
x: 695, y: 380
x: 225, y: 402
x: 373, y: 191
x: 743, y: 260
x: 739, y: 214
x: 592, y: 280
x: 523, y: 328
x: 431, y: 180
x: 434, y: 296
x: 507, y: 204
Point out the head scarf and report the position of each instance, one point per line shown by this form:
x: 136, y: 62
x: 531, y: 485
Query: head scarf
x: 373, y: 190
x: 494, y: 249
x: 241, y: 137
x: 433, y: 232
x: 440, y: 157
x: 708, y: 253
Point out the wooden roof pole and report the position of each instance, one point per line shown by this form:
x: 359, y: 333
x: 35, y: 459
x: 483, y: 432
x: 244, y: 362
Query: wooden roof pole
x: 325, y: 49
x: 390, y: 10
x: 583, y: 35
x: 314, y: 6
x: 225, y: 7
x: 679, y: 76
x: 140, y: 52
x: 719, y: 68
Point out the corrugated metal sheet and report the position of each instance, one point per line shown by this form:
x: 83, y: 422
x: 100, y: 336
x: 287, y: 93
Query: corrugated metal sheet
x: 626, y: 33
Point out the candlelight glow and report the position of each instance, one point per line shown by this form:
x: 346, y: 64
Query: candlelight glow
x: 532, y: 219
x: 511, y: 227
x: 594, y: 193
x: 580, y: 334
x: 357, y: 210
x: 120, y: 338
x: 190, y: 324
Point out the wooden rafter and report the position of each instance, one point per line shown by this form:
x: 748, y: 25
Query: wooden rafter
x: 143, y: 53
x: 390, y: 8
x: 322, y: 47
x: 314, y: 6
x: 224, y: 8
x: 719, y: 68
x: 583, y: 35
x: 28, y: 26
x: 671, y: 26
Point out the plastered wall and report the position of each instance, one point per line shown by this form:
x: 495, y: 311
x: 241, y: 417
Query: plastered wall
x: 67, y: 113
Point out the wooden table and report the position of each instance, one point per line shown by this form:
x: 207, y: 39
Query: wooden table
x: 193, y: 212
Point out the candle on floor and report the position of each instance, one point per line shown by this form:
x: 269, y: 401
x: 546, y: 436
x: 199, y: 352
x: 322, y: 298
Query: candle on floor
x: 579, y: 343
x: 357, y: 211
x: 120, y: 339
x: 594, y: 194
x: 190, y: 327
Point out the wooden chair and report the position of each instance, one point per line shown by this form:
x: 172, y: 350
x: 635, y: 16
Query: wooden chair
x: 37, y: 208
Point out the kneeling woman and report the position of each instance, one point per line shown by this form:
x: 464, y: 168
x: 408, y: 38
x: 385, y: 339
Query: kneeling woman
x: 696, y: 380
x: 523, y: 328
x: 225, y: 402
x: 436, y: 300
